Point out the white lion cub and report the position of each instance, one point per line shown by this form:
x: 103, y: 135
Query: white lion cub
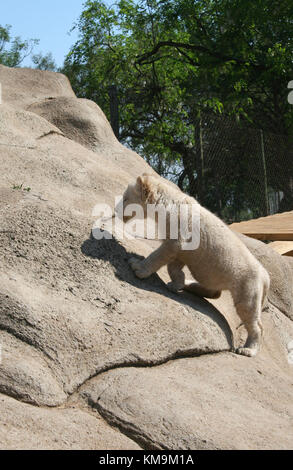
x: 219, y: 262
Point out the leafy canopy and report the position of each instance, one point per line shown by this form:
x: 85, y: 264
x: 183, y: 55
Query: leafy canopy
x: 172, y: 61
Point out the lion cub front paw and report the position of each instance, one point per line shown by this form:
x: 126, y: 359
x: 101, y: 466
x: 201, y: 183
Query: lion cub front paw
x: 138, y: 268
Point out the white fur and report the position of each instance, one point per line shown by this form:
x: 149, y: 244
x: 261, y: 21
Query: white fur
x: 221, y: 262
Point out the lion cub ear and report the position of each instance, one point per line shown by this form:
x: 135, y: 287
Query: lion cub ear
x: 144, y: 186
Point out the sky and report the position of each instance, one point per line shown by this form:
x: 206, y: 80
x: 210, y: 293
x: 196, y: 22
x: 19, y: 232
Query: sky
x: 50, y: 21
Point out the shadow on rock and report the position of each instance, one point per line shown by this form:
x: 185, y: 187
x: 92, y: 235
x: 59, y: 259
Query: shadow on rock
x: 110, y: 250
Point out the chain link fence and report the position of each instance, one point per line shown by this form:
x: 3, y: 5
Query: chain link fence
x: 237, y: 172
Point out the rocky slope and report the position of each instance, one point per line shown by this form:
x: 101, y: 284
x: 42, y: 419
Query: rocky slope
x: 91, y: 357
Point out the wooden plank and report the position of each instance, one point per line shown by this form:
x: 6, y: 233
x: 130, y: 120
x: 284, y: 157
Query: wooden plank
x: 273, y: 227
x: 283, y: 248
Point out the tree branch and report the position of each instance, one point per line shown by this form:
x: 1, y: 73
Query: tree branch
x: 194, y: 47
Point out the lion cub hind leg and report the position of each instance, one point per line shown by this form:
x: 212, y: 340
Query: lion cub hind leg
x: 201, y: 291
x: 254, y: 330
x: 178, y: 282
x: 249, y: 309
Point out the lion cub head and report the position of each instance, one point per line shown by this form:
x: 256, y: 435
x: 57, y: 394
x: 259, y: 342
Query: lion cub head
x: 159, y: 202
x: 143, y: 192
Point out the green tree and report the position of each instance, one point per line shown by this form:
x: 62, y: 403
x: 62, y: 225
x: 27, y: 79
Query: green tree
x: 44, y: 62
x: 242, y: 51
x: 171, y: 61
x: 13, y: 51
x: 152, y: 97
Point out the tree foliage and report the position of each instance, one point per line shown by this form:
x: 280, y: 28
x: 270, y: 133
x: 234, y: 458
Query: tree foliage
x: 172, y: 61
x: 44, y: 62
x: 13, y: 51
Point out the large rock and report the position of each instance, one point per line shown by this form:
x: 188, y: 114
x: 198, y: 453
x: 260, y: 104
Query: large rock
x: 73, y: 428
x: 71, y: 310
x: 217, y: 401
x: 76, y: 301
x: 22, y: 87
x: 79, y: 119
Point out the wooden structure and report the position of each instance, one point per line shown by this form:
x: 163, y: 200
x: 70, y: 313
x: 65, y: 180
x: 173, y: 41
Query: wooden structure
x: 277, y: 228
